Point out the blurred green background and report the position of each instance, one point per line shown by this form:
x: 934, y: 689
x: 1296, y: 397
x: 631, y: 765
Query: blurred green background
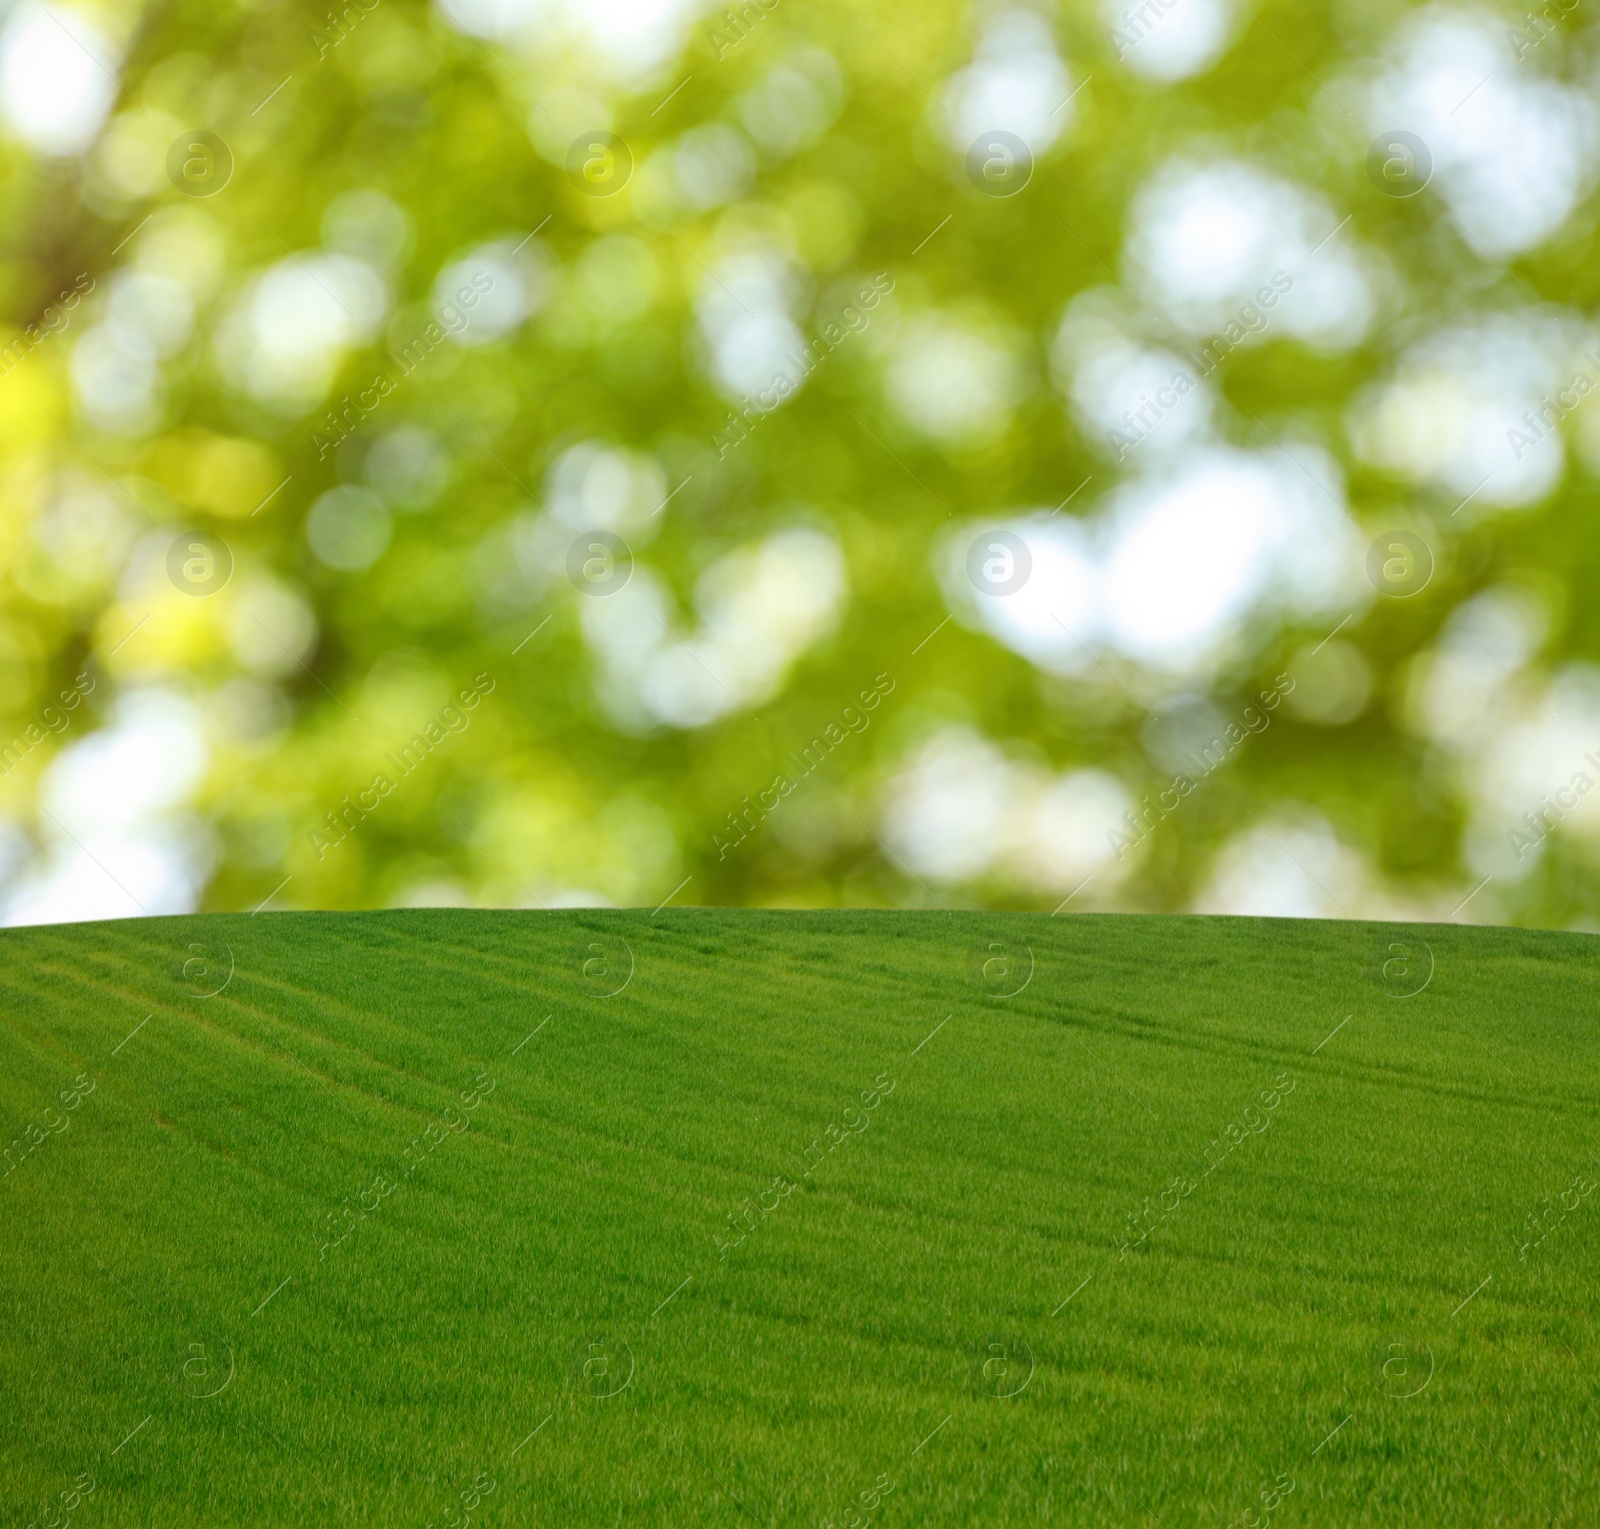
x: 516, y: 453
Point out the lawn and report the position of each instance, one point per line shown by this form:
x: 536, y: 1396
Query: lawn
x: 605, y: 1218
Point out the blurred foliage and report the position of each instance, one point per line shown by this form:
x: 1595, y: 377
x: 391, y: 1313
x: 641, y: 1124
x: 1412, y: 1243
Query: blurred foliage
x: 545, y: 792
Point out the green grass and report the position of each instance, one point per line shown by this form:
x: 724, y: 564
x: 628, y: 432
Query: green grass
x: 899, y: 1305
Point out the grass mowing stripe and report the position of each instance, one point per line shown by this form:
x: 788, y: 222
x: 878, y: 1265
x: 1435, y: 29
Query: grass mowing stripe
x: 766, y: 1212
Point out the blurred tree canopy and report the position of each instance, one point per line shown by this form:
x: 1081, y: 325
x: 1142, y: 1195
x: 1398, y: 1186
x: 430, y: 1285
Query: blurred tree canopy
x: 523, y: 453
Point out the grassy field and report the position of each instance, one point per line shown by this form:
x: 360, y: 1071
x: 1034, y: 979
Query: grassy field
x: 599, y: 1218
